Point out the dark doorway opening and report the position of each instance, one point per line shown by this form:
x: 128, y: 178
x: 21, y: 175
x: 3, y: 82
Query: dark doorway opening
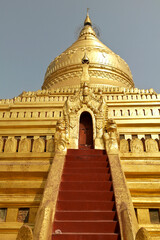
x: 85, y: 131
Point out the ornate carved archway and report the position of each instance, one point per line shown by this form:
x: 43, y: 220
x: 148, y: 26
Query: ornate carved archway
x: 85, y: 101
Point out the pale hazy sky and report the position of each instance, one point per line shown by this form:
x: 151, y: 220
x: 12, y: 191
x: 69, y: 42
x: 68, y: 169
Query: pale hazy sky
x: 34, y: 32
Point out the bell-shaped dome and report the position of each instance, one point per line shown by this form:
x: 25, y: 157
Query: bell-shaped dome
x: 105, y: 67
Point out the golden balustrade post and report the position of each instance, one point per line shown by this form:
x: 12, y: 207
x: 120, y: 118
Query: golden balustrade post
x: 126, y: 214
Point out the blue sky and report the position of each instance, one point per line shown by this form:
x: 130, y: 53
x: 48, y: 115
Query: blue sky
x: 34, y: 32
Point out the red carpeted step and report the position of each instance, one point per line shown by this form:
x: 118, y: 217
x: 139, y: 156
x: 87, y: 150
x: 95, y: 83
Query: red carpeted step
x: 82, y: 196
x: 85, y: 208
x: 85, y: 164
x: 85, y: 205
x: 87, y: 170
x: 86, y: 226
x: 85, y: 215
x: 85, y: 152
x: 86, y: 186
x: 86, y: 177
x: 86, y: 157
x: 86, y: 236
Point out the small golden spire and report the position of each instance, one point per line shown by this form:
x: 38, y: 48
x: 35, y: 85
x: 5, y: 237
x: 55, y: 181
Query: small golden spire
x: 87, y: 20
x: 87, y: 30
x: 85, y: 59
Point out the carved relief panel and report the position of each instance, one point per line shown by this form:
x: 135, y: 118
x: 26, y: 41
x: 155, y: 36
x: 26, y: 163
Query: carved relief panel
x: 73, y: 126
x: 151, y: 145
x: 38, y: 145
x: 99, y: 128
x: 136, y: 146
x: 50, y: 145
x: 11, y: 145
x: 24, y: 145
x: 124, y: 147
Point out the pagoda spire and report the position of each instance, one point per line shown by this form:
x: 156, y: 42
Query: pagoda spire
x: 87, y: 30
x: 87, y: 20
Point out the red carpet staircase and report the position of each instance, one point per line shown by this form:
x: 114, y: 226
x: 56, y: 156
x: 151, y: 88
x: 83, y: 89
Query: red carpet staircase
x: 86, y: 207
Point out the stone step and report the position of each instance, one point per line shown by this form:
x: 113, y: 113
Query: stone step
x: 86, y: 186
x: 85, y: 205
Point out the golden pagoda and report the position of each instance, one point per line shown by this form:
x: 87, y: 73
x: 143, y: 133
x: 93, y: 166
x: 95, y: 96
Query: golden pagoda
x: 88, y: 109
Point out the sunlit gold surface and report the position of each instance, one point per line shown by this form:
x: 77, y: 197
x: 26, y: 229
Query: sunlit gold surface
x: 105, y: 66
x: 24, y: 174
x: 46, y: 212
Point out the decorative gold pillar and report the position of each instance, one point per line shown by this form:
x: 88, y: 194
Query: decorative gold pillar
x: 127, y: 219
x: 46, y: 211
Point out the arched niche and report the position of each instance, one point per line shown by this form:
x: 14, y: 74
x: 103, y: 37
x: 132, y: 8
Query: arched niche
x: 85, y: 140
x: 93, y: 120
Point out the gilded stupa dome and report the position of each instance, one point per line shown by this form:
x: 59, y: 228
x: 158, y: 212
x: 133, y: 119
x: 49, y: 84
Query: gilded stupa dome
x: 105, y: 67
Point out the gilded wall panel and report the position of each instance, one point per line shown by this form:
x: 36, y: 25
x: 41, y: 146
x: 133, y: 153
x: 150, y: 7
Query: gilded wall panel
x: 10, y: 145
x: 151, y: 145
x: 50, y: 145
x: 124, y: 147
x: 38, y: 145
x: 24, y: 145
x: 136, y: 146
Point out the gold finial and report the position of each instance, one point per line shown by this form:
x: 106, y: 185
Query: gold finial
x: 87, y: 11
x: 87, y: 30
x: 87, y: 20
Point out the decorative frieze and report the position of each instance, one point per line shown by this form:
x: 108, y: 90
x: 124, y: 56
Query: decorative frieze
x: 27, y: 144
x: 132, y: 112
x: 139, y: 145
